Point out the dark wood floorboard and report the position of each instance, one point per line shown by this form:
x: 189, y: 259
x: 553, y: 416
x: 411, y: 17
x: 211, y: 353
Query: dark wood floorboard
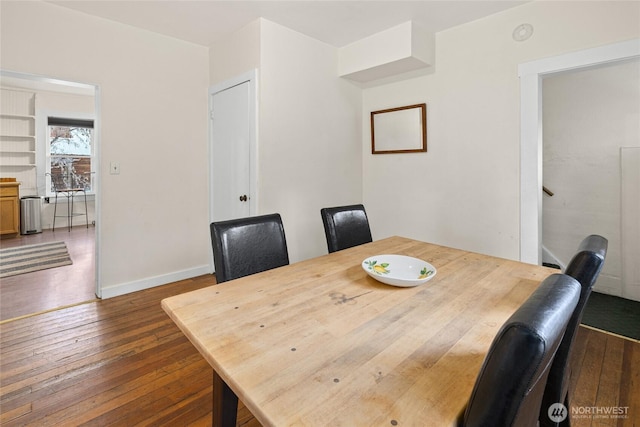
x: 122, y: 362
x: 49, y: 289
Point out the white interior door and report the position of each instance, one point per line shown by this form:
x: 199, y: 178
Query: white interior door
x: 233, y: 121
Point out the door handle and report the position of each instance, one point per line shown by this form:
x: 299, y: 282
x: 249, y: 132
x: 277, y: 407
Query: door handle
x: 243, y: 198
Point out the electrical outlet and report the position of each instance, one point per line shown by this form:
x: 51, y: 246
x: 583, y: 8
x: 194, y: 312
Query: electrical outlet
x: 114, y: 168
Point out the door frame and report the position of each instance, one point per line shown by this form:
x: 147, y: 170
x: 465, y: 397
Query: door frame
x: 531, y: 75
x: 97, y: 126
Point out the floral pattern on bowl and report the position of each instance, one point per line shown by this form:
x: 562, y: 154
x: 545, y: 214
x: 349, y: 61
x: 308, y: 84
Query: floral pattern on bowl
x: 378, y: 268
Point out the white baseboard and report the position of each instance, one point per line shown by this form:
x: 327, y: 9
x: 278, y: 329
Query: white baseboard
x: 150, y: 282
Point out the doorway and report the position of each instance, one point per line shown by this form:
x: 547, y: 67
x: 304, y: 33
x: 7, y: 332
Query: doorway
x: 51, y: 289
x: 531, y: 74
x: 591, y: 118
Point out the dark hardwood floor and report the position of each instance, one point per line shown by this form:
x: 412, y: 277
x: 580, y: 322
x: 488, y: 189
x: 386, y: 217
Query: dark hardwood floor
x: 49, y: 289
x: 606, y: 378
x: 119, y: 361
x: 123, y: 362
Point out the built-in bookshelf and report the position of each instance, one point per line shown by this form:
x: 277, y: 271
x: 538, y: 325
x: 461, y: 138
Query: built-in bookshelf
x: 18, y: 138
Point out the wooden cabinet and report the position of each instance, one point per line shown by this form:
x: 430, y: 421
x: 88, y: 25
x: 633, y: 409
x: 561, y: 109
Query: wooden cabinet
x: 9, y: 209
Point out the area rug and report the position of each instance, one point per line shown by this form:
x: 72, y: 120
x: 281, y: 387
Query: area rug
x: 26, y: 259
x: 613, y: 314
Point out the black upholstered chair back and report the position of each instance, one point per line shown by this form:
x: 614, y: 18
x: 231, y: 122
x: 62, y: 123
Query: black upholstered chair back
x: 585, y: 266
x: 345, y: 227
x: 508, y: 390
x: 247, y: 246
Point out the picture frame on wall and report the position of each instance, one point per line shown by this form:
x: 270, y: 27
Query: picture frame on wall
x: 399, y: 130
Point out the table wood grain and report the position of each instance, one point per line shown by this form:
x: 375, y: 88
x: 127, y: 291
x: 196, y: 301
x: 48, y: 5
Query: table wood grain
x: 319, y: 342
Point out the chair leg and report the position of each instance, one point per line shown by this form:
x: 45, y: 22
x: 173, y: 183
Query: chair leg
x: 70, y: 212
x: 86, y: 211
x: 55, y: 210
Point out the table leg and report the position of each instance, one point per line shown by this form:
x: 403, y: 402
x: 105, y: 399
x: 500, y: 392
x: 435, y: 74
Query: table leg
x: 225, y: 403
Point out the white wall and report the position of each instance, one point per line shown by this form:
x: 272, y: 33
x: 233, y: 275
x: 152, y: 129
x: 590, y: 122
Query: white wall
x: 309, y: 136
x: 153, y: 115
x: 236, y: 54
x: 464, y: 192
x: 588, y: 116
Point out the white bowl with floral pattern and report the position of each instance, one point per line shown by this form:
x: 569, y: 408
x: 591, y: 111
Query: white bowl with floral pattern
x: 399, y: 270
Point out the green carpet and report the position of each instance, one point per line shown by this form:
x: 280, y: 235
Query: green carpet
x: 613, y: 314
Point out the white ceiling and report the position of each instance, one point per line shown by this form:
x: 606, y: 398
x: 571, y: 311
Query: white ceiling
x: 337, y: 23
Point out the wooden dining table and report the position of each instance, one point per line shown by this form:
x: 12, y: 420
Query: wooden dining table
x: 321, y: 343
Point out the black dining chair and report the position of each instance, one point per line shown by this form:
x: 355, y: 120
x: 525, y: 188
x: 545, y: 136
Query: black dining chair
x: 345, y: 227
x: 242, y: 247
x: 585, y: 267
x: 508, y: 390
x: 247, y: 246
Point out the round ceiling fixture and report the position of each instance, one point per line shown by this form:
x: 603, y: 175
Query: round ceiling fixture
x: 522, y: 32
